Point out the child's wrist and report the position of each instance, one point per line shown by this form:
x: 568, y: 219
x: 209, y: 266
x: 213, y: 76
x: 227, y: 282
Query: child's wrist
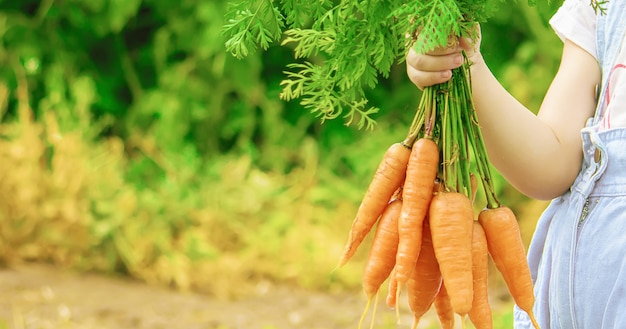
x: 476, y: 60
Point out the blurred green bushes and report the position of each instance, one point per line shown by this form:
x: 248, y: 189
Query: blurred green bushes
x: 131, y: 142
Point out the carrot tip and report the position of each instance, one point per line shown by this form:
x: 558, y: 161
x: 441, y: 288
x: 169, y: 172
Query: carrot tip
x: 398, y: 289
x: 374, y: 312
x: 534, y: 321
x: 463, y: 321
x: 367, y: 306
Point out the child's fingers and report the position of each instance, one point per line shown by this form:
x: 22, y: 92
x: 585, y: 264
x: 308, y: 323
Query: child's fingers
x: 424, y: 79
x: 432, y: 61
x: 432, y: 68
x: 436, y: 65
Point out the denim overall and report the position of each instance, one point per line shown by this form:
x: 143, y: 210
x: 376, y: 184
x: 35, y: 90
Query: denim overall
x: 578, y: 253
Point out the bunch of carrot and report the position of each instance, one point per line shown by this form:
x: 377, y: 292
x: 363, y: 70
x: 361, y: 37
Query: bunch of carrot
x: 421, y: 200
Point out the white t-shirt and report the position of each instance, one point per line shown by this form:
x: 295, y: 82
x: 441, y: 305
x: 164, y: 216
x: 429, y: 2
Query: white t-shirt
x: 576, y: 21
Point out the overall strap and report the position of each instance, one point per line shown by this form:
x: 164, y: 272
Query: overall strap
x: 610, y: 32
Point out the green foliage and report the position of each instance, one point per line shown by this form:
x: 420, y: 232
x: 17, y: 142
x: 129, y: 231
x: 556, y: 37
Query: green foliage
x: 137, y: 144
x: 348, y: 47
x: 132, y: 141
x: 254, y: 23
x: 599, y: 6
x: 527, y: 53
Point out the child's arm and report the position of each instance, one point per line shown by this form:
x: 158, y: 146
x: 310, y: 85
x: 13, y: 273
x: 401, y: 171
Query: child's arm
x: 540, y: 154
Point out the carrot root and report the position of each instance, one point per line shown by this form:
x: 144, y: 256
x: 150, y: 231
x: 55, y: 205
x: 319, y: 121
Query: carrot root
x: 417, y: 192
x: 382, y: 255
x: 534, y: 321
x: 480, y: 314
x: 445, y: 313
x: 386, y: 181
x: 374, y: 312
x: 367, y: 306
x: 398, y: 290
x: 425, y: 281
x: 507, y: 250
x: 391, y: 292
x: 451, y: 218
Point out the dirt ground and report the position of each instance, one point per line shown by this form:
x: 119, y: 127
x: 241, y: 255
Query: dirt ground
x: 37, y: 296
x: 42, y: 297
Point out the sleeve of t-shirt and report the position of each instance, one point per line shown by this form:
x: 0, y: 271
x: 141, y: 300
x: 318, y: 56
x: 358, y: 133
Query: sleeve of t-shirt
x: 576, y: 20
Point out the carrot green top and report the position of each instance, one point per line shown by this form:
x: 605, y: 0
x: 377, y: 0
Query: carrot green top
x: 347, y: 45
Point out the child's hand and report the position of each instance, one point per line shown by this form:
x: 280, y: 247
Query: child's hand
x: 436, y: 66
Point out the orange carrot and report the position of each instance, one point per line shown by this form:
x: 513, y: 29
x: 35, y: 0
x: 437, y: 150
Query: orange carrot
x: 425, y: 280
x: 417, y: 191
x: 387, y: 179
x: 480, y: 314
x: 507, y: 250
x: 451, y: 217
x: 445, y: 313
x: 381, y: 259
x: 391, y: 292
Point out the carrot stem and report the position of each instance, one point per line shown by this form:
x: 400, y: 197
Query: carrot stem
x: 422, y: 113
x: 459, y: 102
x: 447, y: 140
x: 476, y: 137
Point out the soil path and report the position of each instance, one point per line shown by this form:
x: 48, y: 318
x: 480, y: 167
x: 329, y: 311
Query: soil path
x: 36, y: 296
x: 44, y: 297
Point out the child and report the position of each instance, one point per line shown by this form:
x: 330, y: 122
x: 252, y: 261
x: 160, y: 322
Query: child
x: 573, y: 152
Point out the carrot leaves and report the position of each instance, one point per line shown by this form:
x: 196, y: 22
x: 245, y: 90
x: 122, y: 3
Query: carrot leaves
x: 343, y: 48
x: 250, y: 24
